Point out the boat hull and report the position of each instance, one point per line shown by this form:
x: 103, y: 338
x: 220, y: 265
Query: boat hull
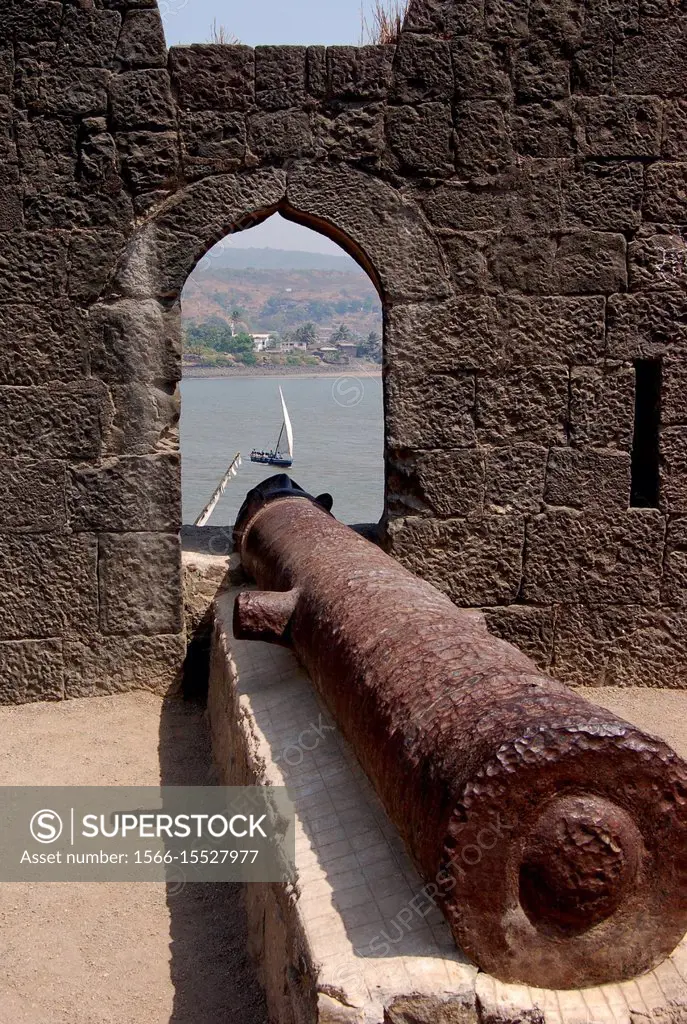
x: 286, y: 463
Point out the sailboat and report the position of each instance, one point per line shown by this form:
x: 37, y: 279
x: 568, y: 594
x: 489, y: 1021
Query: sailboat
x: 204, y: 516
x: 277, y: 457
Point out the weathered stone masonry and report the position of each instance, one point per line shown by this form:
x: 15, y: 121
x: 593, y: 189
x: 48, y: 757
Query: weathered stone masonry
x: 513, y: 175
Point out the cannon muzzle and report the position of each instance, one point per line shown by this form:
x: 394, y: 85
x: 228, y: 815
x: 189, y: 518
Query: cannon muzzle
x: 555, y: 832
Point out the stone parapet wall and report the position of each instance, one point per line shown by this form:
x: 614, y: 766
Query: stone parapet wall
x: 512, y: 176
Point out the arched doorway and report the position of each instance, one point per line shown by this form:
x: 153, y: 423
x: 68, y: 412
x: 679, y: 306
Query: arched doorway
x: 281, y: 310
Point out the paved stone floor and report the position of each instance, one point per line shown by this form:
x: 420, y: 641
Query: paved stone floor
x: 118, y: 954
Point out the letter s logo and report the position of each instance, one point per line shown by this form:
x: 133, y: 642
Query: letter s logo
x: 46, y: 826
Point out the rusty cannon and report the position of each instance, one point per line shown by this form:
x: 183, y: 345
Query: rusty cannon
x: 555, y: 832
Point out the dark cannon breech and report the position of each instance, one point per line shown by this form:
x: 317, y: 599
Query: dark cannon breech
x: 555, y: 831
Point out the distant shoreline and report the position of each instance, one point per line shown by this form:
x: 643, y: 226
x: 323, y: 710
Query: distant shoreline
x: 352, y: 370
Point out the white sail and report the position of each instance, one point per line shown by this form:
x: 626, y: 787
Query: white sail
x: 287, y: 424
x: 204, y: 516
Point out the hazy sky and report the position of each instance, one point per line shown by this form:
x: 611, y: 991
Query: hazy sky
x: 264, y: 21
x: 268, y: 22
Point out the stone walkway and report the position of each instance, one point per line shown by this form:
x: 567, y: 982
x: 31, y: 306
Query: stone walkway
x: 119, y: 953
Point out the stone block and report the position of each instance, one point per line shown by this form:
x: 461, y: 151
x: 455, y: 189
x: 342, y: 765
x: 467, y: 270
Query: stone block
x: 449, y: 484
x: 316, y: 71
x: 664, y: 197
x: 105, y: 665
x: 489, y: 568
x: 149, y: 160
x: 145, y: 422
x: 658, y: 259
x: 483, y: 140
x: 589, y: 262
x: 467, y: 260
x: 606, y: 196
x: 39, y: 344
x: 32, y: 267
x: 594, y: 558
x: 552, y: 330
x: 11, y: 209
x: 445, y: 19
x: 88, y: 38
x: 561, y: 20
x: 411, y: 411
x: 541, y: 73
x: 674, y: 130
x: 355, y: 135
x: 63, y: 92
x: 48, y: 585
x: 461, y: 335
x: 358, y: 73
x: 655, y: 62
x: 658, y: 8
x: 674, y: 588
x: 142, y: 100
x: 618, y: 126
x: 422, y: 137
x: 480, y: 70
x: 385, y: 225
x: 31, y: 670
x: 6, y: 70
x: 515, y: 477
x: 507, y: 18
x: 422, y: 70
x: 125, y: 495
x: 212, y: 142
x: 93, y: 256
x: 544, y: 130
x: 673, y: 449
x: 63, y: 421
x: 79, y: 206
x: 612, y: 19
x: 528, y: 628
x: 98, y: 155
x: 624, y: 645
x: 673, y: 392
x: 142, y: 40
x: 47, y: 151
x: 535, y: 199
x: 32, y: 497
x: 462, y: 206
x: 523, y: 405
x: 602, y: 406
x: 140, y: 584
x: 213, y: 77
x: 279, y: 136
x: 134, y: 341
x: 33, y: 23
x: 280, y: 76
x: 524, y: 263
x: 586, y: 478
x: 647, y: 325
x: 592, y: 69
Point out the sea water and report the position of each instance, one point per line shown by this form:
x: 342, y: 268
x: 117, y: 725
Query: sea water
x: 338, y: 428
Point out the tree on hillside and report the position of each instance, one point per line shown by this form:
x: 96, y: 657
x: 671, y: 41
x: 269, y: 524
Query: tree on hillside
x: 342, y: 333
x: 371, y: 348
x: 307, y: 334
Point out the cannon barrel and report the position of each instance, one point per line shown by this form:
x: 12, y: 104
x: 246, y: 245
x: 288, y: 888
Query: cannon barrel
x: 554, y: 832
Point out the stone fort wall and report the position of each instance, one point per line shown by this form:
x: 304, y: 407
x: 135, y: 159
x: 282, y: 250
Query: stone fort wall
x: 512, y: 175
